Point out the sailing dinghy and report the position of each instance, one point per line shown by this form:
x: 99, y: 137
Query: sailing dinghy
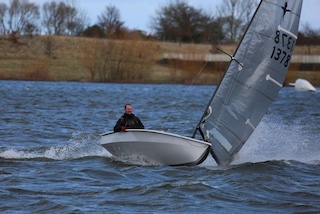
x: 156, y: 147
x: 254, y: 77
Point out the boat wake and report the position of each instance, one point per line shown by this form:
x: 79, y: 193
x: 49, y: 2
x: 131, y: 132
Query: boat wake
x: 79, y: 146
x: 280, y: 142
x: 270, y: 142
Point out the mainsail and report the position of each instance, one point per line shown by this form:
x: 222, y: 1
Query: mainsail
x: 253, y: 79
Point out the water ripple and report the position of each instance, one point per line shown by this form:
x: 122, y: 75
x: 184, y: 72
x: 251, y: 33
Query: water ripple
x: 51, y: 160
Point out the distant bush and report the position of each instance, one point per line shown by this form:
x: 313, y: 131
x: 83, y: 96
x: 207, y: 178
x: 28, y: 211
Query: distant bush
x: 36, y: 70
x: 118, y: 61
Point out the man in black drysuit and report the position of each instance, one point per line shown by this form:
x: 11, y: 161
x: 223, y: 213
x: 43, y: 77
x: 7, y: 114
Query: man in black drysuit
x: 128, y: 120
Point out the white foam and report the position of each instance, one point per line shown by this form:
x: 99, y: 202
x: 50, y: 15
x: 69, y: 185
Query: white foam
x: 77, y: 147
x: 275, y: 141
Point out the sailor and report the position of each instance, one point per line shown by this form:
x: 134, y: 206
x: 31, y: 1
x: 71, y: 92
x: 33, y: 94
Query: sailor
x: 128, y: 120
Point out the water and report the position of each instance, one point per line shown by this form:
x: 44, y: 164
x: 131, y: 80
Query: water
x: 51, y: 160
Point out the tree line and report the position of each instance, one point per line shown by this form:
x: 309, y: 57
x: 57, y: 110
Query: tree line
x: 177, y: 21
x: 53, y: 18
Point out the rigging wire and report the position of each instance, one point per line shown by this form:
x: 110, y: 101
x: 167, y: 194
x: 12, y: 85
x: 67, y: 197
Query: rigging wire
x: 193, y: 81
x: 232, y: 57
x: 184, y: 94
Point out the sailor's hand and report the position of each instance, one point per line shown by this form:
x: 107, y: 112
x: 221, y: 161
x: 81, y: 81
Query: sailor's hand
x: 123, y: 128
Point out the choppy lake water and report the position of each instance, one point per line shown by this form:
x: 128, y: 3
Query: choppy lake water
x: 51, y: 160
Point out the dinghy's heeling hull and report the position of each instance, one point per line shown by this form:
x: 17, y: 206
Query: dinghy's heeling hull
x: 156, y: 147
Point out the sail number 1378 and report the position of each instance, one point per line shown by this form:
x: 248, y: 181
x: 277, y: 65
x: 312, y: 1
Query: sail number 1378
x: 284, y: 46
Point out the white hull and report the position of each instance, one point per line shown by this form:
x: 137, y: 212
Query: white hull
x: 156, y: 146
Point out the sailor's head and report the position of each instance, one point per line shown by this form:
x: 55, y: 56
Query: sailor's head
x: 128, y: 108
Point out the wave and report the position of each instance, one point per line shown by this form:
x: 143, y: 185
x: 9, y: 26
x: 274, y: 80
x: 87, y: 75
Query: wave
x: 79, y: 146
x: 272, y: 141
x: 276, y: 141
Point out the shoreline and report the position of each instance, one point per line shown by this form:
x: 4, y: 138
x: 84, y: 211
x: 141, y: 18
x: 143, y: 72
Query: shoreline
x: 70, y: 59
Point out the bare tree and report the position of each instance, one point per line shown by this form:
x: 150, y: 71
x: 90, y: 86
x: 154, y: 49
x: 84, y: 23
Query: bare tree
x: 76, y: 18
x: 92, y: 56
x: 235, y: 16
x: 110, y: 21
x: 63, y: 18
x: 53, y: 18
x: 3, y: 12
x: 183, y: 23
x: 23, y: 15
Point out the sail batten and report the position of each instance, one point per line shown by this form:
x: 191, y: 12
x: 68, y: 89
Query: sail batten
x: 268, y: 77
x: 288, y: 32
x: 255, y: 75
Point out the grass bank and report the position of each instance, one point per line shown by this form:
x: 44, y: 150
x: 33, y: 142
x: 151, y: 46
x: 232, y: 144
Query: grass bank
x: 59, y: 58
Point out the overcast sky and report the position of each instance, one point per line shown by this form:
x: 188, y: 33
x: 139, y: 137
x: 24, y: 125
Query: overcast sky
x: 136, y: 13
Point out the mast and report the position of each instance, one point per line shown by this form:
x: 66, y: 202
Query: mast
x: 232, y: 58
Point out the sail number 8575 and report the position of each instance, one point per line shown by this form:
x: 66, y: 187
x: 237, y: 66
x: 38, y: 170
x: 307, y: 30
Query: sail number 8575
x: 284, y: 45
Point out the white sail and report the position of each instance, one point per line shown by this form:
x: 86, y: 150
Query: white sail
x: 253, y: 79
